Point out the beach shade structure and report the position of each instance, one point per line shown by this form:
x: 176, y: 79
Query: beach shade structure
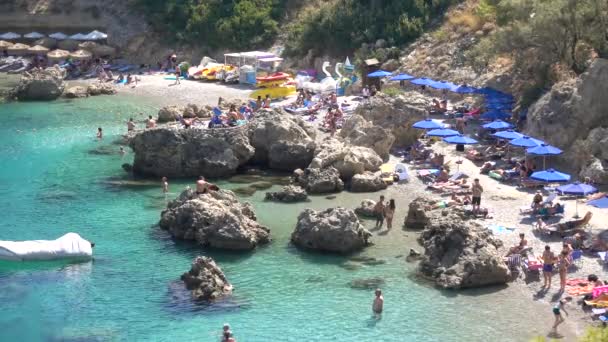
x: 96, y: 35
x: 601, y: 203
x: 464, y: 89
x: 4, y: 44
x: 508, y: 135
x: 428, y: 124
x: 544, y: 150
x: 58, y: 54
x: 68, y: 44
x: 576, y: 189
x: 47, y: 42
x: 104, y: 50
x: 551, y: 176
x: 379, y: 73
x: 526, y: 141
x: 445, y: 132
x: 89, y: 46
x: 38, y: 50
x: 18, y: 49
x: 81, y: 55
x: 59, y: 36
x: 402, y: 77
x: 422, y: 81
x: 497, y: 125
x: 495, y: 114
x: 78, y: 36
x: 443, y: 85
x: 33, y: 35
x: 460, y: 140
x: 10, y: 36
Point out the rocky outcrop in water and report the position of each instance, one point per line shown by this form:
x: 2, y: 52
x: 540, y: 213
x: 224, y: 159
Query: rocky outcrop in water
x: 333, y: 230
x: 348, y: 160
x: 215, y: 219
x: 173, y: 152
x: 101, y: 89
x: 288, y: 194
x: 40, y: 85
x: 206, y: 280
x: 460, y: 253
x: 360, y: 132
x: 366, y: 209
x: 367, y: 182
x: 171, y: 113
x: 571, y: 116
x: 281, y: 141
x: 319, y: 181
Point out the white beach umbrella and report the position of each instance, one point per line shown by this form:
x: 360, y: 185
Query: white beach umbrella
x: 96, y: 35
x: 59, y: 36
x: 34, y: 35
x: 78, y: 36
x: 10, y: 36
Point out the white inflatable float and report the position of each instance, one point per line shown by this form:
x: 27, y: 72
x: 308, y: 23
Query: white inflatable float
x: 69, y: 246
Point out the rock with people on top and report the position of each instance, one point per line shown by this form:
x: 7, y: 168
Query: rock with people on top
x: 213, y: 218
x: 335, y: 230
x: 206, y: 281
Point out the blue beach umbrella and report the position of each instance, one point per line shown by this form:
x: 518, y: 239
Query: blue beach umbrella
x: 508, y: 135
x: 463, y: 89
x: 379, y: 73
x: 544, y: 150
x: 422, y: 81
x: 442, y: 85
x: 577, y: 189
x: 460, y: 140
x: 497, y: 124
x: 526, y: 141
x: 446, y: 132
x: 551, y: 176
x: 402, y: 77
x: 601, y: 203
x: 428, y: 124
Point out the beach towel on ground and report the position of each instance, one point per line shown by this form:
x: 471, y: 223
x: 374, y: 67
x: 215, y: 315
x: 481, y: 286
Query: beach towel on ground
x: 172, y: 78
x: 69, y: 246
x: 496, y: 229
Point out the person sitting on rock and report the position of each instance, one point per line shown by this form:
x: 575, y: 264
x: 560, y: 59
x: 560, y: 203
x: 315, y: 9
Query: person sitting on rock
x: 523, y: 243
x: 233, y: 116
x: 201, y: 185
x: 150, y: 123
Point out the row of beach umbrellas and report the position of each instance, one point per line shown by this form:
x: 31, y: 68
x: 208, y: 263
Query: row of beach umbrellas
x: 91, y: 36
x: 85, y: 50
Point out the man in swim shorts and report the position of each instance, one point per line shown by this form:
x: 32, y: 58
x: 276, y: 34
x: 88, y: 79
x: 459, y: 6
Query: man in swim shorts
x: 378, y: 303
x: 477, y: 190
x: 548, y: 260
x: 379, y: 212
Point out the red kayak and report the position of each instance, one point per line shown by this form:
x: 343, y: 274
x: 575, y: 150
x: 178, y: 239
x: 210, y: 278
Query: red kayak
x: 274, y: 77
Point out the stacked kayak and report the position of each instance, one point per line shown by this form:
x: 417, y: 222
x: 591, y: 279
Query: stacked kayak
x: 70, y: 246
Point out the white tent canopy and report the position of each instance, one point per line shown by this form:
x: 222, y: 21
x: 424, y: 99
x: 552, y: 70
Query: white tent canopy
x: 78, y: 36
x: 96, y: 35
x: 10, y: 35
x: 58, y: 35
x: 34, y: 35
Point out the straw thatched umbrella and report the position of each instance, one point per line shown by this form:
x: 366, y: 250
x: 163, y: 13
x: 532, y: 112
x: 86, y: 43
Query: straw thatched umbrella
x: 68, y: 44
x: 18, y: 49
x: 89, y: 46
x: 81, y: 55
x: 46, y: 42
x: 104, y: 50
x: 38, y: 50
x: 58, y: 54
x: 4, y: 44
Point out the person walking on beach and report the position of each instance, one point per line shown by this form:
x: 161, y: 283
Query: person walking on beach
x: 379, y: 211
x: 477, y: 190
x: 557, y: 313
x: 378, y: 303
x: 177, y: 74
x: 389, y: 212
x: 150, y: 123
x: 564, y: 263
x: 99, y: 133
x: 165, y: 185
x: 548, y: 259
x: 130, y: 125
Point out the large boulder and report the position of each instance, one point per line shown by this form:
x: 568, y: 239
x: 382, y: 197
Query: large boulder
x: 360, y: 132
x: 281, y: 141
x: 461, y: 254
x: 367, y: 182
x: 169, y: 113
x: 101, y: 89
x: 319, y: 181
x: 40, y: 85
x: 76, y: 92
x: 214, y: 219
x: 206, y: 280
x: 366, y: 209
x: 396, y: 114
x: 333, y: 230
x: 418, y: 214
x: 567, y: 115
x: 174, y: 152
x: 288, y: 194
x: 348, y: 160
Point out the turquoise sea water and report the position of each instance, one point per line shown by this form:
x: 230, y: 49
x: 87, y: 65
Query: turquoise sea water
x: 51, y: 183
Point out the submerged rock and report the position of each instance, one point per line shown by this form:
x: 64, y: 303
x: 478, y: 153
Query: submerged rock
x: 366, y: 209
x: 367, y: 283
x: 367, y: 182
x: 332, y: 230
x: 206, y: 280
x: 319, y: 181
x: 245, y: 191
x: 288, y: 194
x: 215, y: 219
x: 261, y: 185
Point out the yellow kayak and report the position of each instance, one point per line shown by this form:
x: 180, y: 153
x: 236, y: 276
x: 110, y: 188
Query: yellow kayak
x: 275, y: 92
x: 270, y: 84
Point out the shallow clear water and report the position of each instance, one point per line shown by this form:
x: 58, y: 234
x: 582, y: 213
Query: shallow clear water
x: 51, y: 183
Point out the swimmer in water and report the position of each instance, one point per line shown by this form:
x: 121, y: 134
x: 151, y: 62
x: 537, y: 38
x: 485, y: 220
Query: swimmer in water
x: 99, y: 133
x: 378, y: 304
x: 165, y: 185
x: 122, y: 151
x: 130, y: 125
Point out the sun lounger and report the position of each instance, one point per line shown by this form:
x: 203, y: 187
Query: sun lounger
x: 513, y: 261
x: 599, y: 302
x: 532, y: 264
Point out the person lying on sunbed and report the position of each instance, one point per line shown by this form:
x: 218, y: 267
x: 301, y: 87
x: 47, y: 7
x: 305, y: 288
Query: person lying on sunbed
x: 487, y: 167
x: 441, y: 204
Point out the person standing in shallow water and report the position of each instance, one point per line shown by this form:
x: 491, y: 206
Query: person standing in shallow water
x: 378, y: 304
x: 130, y: 125
x: 165, y: 185
x: 99, y: 133
x: 389, y: 212
x: 379, y: 212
